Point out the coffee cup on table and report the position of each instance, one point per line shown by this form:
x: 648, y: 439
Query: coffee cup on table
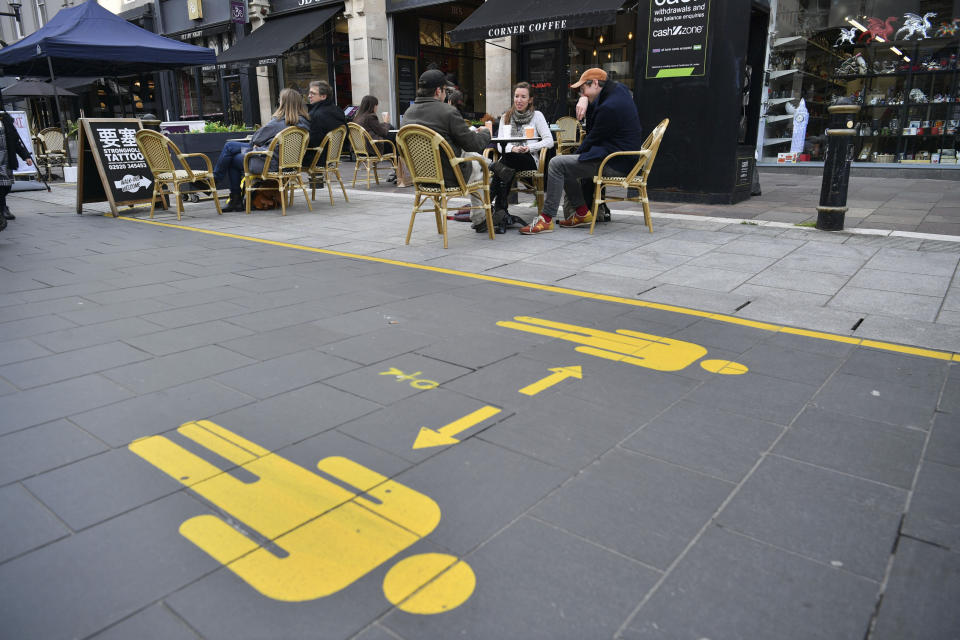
x: 528, y: 132
x: 386, y: 116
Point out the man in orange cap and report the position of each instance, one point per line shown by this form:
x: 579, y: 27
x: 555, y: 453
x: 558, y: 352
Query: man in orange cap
x: 612, y: 125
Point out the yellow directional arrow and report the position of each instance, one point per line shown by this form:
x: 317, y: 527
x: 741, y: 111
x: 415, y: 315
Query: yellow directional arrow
x: 444, y: 435
x: 559, y: 374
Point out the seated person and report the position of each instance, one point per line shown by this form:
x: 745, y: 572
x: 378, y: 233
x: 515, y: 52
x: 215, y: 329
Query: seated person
x: 523, y: 156
x: 325, y: 116
x: 613, y: 124
x: 290, y: 112
x: 367, y: 118
x: 431, y: 110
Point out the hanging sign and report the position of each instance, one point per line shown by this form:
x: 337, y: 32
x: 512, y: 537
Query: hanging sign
x: 238, y: 11
x: 110, y: 166
x: 195, y: 9
x: 677, y: 38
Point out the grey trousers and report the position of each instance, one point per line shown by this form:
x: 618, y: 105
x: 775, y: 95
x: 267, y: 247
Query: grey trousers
x: 564, y: 175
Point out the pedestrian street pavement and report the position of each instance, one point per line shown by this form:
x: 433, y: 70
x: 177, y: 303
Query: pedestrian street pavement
x: 265, y: 427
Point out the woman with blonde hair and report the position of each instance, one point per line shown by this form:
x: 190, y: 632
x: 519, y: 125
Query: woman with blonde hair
x: 290, y: 112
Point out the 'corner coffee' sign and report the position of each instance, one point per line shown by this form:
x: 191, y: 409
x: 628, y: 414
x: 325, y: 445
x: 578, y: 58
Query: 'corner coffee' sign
x: 677, y: 39
x: 110, y: 165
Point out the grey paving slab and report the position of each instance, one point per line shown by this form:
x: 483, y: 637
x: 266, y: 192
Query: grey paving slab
x: 700, y: 438
x: 483, y: 489
x: 97, y: 488
x: 294, y: 416
x: 18, y: 350
x: 693, y: 298
x: 785, y: 311
x: 944, y: 444
x: 760, y: 246
x: 278, y: 375
x: 397, y: 378
x: 733, y: 261
x: 904, y: 261
x: 44, y: 447
x: 791, y: 364
x: 71, y: 364
x: 860, y: 447
x: 123, y: 422
x: 163, y: 343
x: 280, y: 342
x: 153, y: 623
x: 105, y: 582
x: 731, y: 337
x: 184, y: 316
x: 901, y: 305
x: 901, y: 282
x: 878, y: 400
x: 170, y: 370
x: 731, y: 586
x: 807, y: 281
x: 33, y: 326
x: 94, y: 334
x: 639, y: 506
x: 378, y: 345
x: 933, y: 516
x: 540, y: 582
x: 918, y: 599
x: 754, y: 395
x: 901, y: 368
x: 26, y: 524
x: 709, y: 278
x: 58, y: 400
x: 109, y: 312
x: 820, y: 514
x: 820, y: 263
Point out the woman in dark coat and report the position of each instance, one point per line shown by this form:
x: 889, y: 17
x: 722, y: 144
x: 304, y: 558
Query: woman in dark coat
x: 10, y: 144
x: 367, y: 118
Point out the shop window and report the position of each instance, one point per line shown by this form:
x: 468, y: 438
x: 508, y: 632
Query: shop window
x: 211, y: 96
x: 186, y: 91
x: 430, y: 33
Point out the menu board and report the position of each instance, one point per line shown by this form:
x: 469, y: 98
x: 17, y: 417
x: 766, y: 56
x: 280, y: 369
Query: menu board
x: 110, y: 166
x: 407, y: 79
x: 677, y: 38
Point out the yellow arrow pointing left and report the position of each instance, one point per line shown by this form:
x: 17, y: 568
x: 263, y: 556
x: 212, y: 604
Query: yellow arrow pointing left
x: 444, y: 435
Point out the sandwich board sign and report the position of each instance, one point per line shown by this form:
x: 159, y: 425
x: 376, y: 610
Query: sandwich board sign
x: 110, y: 166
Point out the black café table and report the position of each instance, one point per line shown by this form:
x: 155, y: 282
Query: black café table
x: 504, y: 141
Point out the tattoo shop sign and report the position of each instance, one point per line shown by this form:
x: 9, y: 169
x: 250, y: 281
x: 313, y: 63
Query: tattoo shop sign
x: 111, y: 166
x: 677, y: 38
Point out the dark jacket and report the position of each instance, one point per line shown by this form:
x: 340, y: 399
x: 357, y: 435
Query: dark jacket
x: 377, y: 128
x: 14, y: 143
x: 262, y: 138
x: 325, y: 116
x: 447, y: 121
x: 612, y: 125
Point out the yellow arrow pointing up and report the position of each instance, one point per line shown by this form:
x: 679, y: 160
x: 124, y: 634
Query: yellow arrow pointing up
x: 444, y: 435
x: 559, y: 374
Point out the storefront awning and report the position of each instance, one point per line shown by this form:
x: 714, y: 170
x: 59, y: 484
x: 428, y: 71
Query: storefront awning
x: 498, y: 18
x: 277, y: 36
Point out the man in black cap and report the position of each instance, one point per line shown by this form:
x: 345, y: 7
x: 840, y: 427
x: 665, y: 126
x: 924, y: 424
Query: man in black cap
x: 431, y: 110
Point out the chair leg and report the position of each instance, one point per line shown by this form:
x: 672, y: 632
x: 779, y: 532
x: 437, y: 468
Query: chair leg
x: 179, y: 200
x: 442, y: 219
x: 356, y: 168
x: 413, y: 215
x: 326, y: 179
x: 155, y: 195
x: 646, y: 208
x: 487, y: 210
x: 304, y: 188
x: 282, y: 186
x: 439, y: 204
x: 216, y: 198
x: 596, y: 206
x: 247, y: 189
x: 342, y: 188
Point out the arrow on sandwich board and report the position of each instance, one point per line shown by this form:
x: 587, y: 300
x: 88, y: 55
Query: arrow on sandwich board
x: 559, y: 374
x: 444, y: 435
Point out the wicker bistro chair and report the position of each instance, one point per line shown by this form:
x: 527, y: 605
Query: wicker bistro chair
x: 422, y: 149
x: 635, y: 179
x: 369, y: 154
x: 157, y: 149
x: 333, y: 144
x: 289, y: 146
x: 569, y: 135
x: 530, y: 181
x: 51, y: 149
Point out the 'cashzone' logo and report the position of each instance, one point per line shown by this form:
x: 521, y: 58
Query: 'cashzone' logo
x: 676, y: 31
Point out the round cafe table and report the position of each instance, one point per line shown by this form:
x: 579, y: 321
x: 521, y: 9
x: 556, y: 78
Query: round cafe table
x: 504, y: 141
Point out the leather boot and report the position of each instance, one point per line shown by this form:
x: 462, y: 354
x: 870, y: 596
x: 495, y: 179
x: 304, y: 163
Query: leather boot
x: 235, y: 203
x: 7, y: 214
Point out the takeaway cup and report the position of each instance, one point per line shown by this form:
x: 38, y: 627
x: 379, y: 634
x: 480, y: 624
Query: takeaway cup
x: 528, y: 132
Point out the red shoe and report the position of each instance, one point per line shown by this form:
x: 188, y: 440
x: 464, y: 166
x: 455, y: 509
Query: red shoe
x: 540, y: 225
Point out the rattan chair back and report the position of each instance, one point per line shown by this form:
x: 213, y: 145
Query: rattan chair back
x: 156, y: 149
x: 52, y: 140
x: 421, y: 148
x: 569, y: 134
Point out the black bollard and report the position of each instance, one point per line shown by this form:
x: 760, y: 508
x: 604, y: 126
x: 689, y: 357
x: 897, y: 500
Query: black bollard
x: 836, y: 167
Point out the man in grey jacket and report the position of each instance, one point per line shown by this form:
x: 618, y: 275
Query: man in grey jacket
x: 431, y: 110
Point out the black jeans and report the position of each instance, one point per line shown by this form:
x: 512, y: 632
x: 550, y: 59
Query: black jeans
x: 503, y: 181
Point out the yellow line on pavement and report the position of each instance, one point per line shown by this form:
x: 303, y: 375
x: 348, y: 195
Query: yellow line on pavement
x: 765, y: 326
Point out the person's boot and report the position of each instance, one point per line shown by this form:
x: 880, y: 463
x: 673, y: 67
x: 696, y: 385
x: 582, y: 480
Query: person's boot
x: 7, y: 214
x: 235, y: 203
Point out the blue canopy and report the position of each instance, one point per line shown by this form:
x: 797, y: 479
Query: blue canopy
x: 88, y: 40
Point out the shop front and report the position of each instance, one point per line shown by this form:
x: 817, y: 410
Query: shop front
x: 896, y: 59
x: 421, y: 41
x: 297, y: 44
x: 557, y: 43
